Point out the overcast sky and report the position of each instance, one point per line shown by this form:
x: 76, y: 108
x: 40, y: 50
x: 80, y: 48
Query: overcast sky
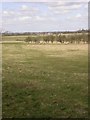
x: 44, y: 16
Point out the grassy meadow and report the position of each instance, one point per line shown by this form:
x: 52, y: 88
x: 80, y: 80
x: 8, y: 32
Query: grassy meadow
x: 44, y: 81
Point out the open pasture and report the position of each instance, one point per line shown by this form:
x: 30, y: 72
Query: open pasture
x: 45, y: 81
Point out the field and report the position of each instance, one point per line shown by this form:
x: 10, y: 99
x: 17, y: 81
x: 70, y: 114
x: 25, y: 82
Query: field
x: 45, y: 81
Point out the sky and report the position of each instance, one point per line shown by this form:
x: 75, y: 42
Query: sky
x: 59, y: 15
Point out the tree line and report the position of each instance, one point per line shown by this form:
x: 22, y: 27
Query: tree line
x: 9, y: 33
x: 58, y: 38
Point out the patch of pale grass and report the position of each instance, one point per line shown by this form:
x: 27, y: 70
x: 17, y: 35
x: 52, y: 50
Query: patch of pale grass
x: 57, y: 47
x: 12, y: 41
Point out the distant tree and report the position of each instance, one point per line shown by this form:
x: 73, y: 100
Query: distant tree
x: 51, y: 38
x: 35, y: 39
x: 58, y: 38
x: 46, y: 38
x: 28, y: 39
x: 84, y: 37
x: 63, y: 38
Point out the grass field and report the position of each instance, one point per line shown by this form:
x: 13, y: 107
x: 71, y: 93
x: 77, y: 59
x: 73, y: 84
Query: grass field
x: 14, y: 38
x: 45, y: 81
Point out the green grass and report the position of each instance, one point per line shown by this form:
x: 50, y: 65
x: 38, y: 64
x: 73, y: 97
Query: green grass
x: 15, y: 37
x: 45, y: 81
